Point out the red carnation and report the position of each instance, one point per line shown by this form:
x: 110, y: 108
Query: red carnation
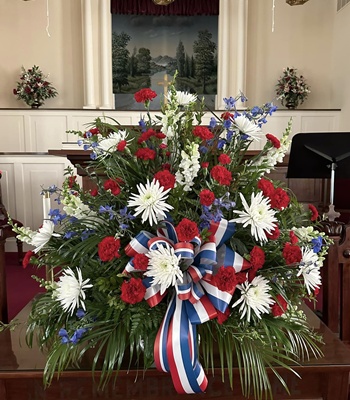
x: 145, y: 95
x: 221, y: 175
x: 224, y: 159
x: 279, y: 199
x: 145, y: 154
x: 113, y: 186
x: 314, y: 212
x: 241, y: 277
x: 279, y: 307
x: 293, y: 238
x: 92, y: 131
x: 186, y: 230
x: 266, y: 187
x: 133, y: 291
x: 205, y: 164
x: 160, y: 135
x: 291, y: 253
x: 108, y: 248
x: 274, y: 141
x: 222, y: 317
x: 203, y: 132
x: 257, y: 257
x: 94, y: 192
x: 26, y: 259
x: 275, y: 234
x: 227, y: 115
x: 121, y: 145
x: 166, y: 179
x: 146, y: 135
x: 206, y: 197
x: 225, y: 279
x: 166, y: 166
x: 140, y: 262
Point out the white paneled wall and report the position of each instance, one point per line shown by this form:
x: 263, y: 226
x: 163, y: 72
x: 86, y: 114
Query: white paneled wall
x: 23, y: 177
x: 40, y: 130
x: 26, y: 136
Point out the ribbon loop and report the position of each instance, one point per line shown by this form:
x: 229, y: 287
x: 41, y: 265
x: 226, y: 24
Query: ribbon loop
x: 194, y: 301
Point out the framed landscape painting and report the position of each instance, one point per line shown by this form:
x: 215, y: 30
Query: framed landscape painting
x: 148, y: 49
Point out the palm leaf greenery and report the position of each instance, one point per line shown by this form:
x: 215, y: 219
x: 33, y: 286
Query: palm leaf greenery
x: 182, y: 228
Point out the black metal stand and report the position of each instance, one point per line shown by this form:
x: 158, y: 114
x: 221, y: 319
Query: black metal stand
x: 320, y: 155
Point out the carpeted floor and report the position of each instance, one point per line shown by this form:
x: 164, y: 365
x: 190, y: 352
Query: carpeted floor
x: 21, y: 287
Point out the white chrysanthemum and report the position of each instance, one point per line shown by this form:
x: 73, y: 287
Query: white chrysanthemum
x: 184, y: 98
x: 150, y: 202
x: 188, y: 167
x: 111, y: 141
x: 259, y: 215
x: 163, y: 266
x: 69, y: 290
x: 41, y: 238
x: 309, y: 268
x: 247, y: 127
x: 254, y: 297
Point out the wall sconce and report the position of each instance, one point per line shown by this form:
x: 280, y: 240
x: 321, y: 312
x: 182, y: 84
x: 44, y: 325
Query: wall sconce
x: 296, y: 2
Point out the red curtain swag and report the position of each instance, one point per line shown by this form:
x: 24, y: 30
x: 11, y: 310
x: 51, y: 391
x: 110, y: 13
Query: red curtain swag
x: 178, y: 7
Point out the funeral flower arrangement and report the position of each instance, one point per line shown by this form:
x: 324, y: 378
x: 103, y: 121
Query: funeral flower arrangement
x: 183, y: 249
x: 33, y: 87
x: 292, y: 88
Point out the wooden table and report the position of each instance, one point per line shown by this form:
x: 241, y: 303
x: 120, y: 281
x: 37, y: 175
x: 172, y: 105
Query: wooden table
x: 21, y: 371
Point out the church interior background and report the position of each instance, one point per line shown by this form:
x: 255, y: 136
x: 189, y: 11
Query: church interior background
x: 72, y: 42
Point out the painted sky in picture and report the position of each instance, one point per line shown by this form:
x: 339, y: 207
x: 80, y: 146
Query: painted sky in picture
x: 161, y: 34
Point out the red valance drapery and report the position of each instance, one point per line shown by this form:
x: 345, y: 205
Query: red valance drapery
x: 178, y: 7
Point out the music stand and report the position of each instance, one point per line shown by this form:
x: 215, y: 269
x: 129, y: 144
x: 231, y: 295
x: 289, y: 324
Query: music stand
x: 320, y: 155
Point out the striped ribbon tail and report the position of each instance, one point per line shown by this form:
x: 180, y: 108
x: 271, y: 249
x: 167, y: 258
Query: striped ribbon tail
x: 175, y: 350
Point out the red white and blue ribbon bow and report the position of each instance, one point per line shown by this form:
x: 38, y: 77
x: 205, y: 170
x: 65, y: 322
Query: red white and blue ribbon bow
x: 195, y: 300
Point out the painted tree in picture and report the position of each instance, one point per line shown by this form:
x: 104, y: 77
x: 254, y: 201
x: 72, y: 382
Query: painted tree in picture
x: 144, y: 61
x: 204, y: 57
x: 181, y: 59
x: 120, y: 60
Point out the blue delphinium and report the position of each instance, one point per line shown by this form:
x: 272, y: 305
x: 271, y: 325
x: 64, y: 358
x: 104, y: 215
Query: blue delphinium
x: 317, y: 244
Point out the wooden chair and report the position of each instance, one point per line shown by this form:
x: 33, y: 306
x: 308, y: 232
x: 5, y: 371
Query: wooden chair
x: 5, y: 233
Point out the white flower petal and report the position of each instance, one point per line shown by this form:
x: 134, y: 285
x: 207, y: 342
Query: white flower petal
x: 247, y: 127
x: 309, y: 268
x: 254, y: 298
x: 150, y: 202
x: 70, y: 290
x: 259, y: 215
x: 163, y: 267
x: 42, y: 237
